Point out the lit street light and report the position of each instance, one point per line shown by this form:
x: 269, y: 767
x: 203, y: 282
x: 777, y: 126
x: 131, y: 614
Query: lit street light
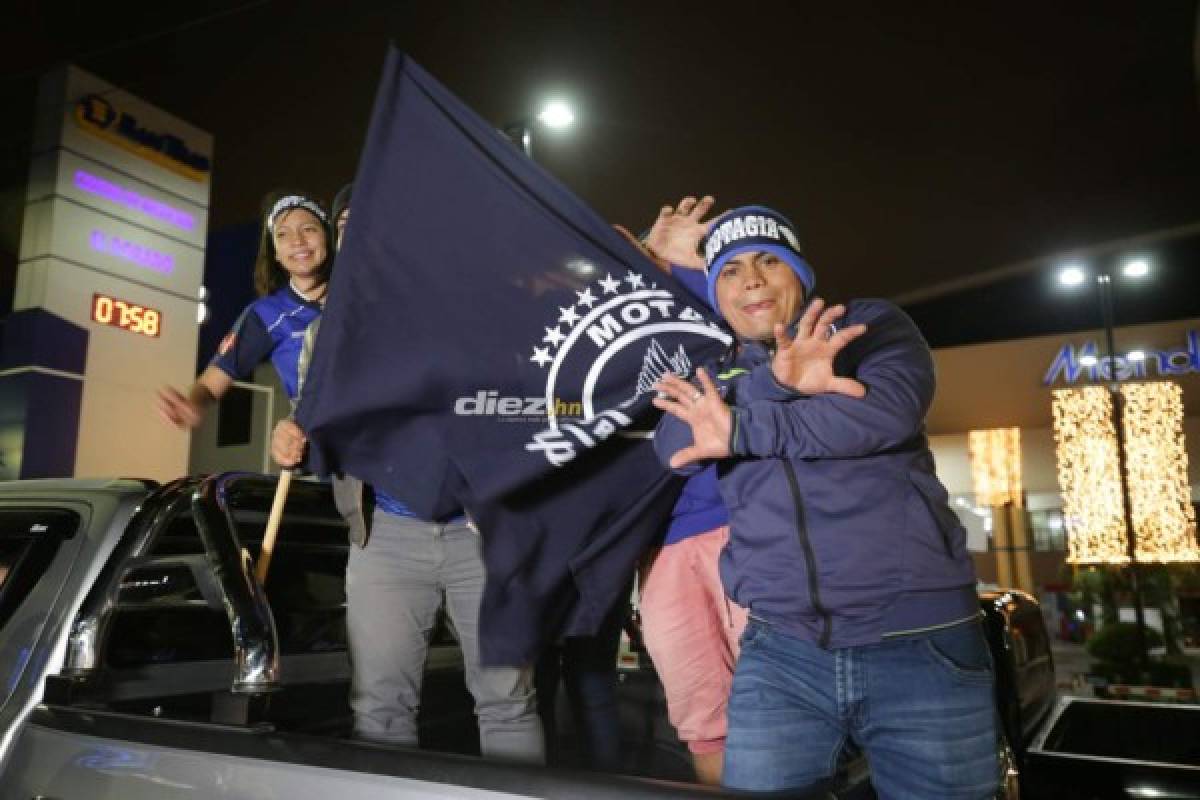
x: 555, y: 115
x: 1136, y: 268
x: 1071, y: 275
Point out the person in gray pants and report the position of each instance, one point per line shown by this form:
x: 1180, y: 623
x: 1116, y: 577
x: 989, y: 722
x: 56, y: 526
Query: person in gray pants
x: 400, y: 569
x: 396, y: 579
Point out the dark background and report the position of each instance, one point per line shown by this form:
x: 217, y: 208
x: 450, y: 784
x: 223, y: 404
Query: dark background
x: 913, y: 143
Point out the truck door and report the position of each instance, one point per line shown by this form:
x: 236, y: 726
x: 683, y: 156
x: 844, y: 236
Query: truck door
x: 38, y: 547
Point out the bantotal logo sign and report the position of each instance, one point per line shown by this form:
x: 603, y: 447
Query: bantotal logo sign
x: 608, y: 349
x: 98, y: 116
x: 1072, y: 363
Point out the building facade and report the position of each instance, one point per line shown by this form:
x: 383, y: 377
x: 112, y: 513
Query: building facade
x: 1009, y: 385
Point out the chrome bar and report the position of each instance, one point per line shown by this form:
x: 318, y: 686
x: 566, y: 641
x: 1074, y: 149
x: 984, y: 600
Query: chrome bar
x: 89, y: 631
x: 255, y: 641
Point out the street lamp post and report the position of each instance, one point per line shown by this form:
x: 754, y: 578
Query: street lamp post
x: 1074, y: 275
x: 521, y: 133
x: 1105, y: 290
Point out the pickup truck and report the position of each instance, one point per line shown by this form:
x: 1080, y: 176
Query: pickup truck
x: 141, y: 658
x: 1099, y: 749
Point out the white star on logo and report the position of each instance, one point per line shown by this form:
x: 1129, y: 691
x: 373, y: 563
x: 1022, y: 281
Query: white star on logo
x: 554, y: 336
x: 586, y: 298
x: 610, y: 284
x: 541, y: 356
x: 569, y: 315
x: 635, y: 281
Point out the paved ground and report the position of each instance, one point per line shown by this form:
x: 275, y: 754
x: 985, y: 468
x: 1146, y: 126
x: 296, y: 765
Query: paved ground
x: 1071, y: 663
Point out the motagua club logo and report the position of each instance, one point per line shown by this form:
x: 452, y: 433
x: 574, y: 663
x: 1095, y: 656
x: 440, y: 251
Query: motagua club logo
x: 617, y: 327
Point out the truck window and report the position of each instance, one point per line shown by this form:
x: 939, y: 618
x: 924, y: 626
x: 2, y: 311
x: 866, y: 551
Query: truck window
x: 1029, y: 629
x: 29, y: 539
x: 163, y: 618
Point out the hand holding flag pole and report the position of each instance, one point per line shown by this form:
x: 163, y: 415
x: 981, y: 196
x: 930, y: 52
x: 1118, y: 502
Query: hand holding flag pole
x: 287, y: 448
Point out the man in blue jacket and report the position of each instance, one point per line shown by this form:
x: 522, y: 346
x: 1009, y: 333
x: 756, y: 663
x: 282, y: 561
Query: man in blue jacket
x: 864, y: 624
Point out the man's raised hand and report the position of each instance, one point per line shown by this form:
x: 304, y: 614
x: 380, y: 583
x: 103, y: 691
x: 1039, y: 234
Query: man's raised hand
x: 805, y: 363
x: 676, y: 234
x: 641, y: 247
x: 703, y: 410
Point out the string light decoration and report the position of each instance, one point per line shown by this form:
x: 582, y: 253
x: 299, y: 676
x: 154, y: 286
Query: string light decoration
x: 1156, y: 467
x: 1086, y: 447
x: 996, y: 465
x: 1156, y: 473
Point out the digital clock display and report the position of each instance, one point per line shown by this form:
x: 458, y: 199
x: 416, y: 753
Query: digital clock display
x: 126, y: 315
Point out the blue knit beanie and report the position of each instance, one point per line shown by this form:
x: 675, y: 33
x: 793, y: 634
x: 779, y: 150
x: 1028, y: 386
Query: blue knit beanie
x: 757, y: 229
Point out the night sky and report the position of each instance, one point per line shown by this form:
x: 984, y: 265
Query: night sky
x: 913, y: 143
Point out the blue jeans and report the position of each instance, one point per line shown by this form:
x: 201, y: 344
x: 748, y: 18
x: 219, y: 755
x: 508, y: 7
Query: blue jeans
x: 587, y: 667
x: 920, y: 707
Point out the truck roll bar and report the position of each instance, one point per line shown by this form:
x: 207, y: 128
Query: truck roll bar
x: 255, y: 641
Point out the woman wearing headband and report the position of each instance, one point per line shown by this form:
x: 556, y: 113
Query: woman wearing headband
x: 291, y: 275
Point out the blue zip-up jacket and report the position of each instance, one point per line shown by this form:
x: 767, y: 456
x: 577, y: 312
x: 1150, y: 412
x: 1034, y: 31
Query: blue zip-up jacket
x: 699, y: 508
x: 840, y: 531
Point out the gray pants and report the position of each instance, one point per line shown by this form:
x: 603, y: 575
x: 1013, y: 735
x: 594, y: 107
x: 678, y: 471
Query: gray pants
x: 394, y: 587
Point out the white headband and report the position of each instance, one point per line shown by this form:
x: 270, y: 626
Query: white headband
x: 293, y: 201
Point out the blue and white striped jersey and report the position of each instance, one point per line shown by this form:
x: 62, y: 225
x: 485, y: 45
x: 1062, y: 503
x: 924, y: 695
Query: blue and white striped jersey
x: 270, y: 327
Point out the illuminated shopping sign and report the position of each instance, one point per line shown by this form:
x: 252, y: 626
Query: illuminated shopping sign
x: 127, y: 316
x: 113, y: 245
x: 98, y: 116
x: 130, y: 199
x: 1071, y: 364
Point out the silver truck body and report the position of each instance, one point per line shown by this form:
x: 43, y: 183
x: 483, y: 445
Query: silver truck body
x: 78, y: 722
x: 33, y: 641
x: 147, y: 661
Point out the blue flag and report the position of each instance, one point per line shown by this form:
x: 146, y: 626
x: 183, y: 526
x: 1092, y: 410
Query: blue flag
x: 490, y: 344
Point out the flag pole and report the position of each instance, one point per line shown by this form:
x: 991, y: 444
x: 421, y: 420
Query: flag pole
x: 273, y: 522
x: 275, y: 518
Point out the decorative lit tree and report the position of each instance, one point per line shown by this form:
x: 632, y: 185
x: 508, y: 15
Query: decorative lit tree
x: 1098, y: 477
x: 996, y: 480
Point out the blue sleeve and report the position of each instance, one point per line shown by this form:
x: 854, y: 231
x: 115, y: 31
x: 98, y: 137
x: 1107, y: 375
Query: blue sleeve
x: 763, y: 385
x: 245, y: 346
x: 671, y: 436
x: 891, y: 360
x: 693, y: 280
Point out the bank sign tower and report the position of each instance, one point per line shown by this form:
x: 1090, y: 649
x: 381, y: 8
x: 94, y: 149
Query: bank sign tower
x: 108, y: 285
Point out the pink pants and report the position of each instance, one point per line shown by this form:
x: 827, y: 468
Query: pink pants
x: 691, y: 630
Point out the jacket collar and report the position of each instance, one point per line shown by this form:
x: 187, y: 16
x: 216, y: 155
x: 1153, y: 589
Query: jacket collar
x: 756, y: 351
